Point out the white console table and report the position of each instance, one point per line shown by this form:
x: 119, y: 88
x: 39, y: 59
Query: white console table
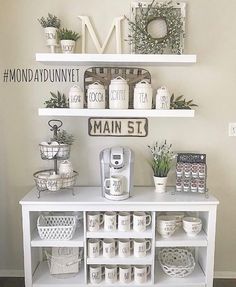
x: 143, y: 199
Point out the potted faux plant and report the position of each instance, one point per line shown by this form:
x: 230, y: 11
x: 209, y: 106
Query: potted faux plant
x: 67, y: 39
x: 161, y: 164
x: 65, y: 140
x: 51, y: 24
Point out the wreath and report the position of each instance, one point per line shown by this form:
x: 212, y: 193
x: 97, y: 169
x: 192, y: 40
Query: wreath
x: 143, y: 41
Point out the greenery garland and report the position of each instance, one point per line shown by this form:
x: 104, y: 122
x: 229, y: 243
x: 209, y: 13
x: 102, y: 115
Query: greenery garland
x: 139, y: 36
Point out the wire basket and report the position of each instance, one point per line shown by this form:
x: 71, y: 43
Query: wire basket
x: 176, y: 262
x: 64, y: 262
x: 54, y: 151
x: 56, y: 227
x: 43, y: 182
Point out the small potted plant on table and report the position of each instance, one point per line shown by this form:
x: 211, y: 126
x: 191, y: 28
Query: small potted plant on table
x: 67, y: 39
x: 161, y: 164
x: 51, y: 24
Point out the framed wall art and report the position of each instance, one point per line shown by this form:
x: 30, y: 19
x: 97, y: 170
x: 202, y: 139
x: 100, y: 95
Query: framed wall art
x: 157, y: 27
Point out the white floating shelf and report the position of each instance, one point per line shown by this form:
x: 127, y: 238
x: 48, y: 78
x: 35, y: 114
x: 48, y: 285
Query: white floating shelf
x: 119, y: 234
x: 131, y: 260
x: 196, y: 279
x: 115, y: 59
x: 117, y: 113
x: 76, y: 241
x: 180, y: 239
x: 42, y: 278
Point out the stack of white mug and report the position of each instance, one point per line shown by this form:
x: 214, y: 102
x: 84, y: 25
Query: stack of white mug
x: 126, y: 247
x: 121, y: 221
x: 124, y: 273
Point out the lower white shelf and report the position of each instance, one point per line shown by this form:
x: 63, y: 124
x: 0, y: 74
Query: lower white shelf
x: 196, y: 279
x: 42, y: 278
x: 131, y: 260
x: 76, y: 241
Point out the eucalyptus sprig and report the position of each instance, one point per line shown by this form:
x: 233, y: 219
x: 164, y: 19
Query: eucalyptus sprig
x: 57, y: 101
x: 50, y: 21
x: 65, y: 34
x: 180, y: 102
x: 162, y: 158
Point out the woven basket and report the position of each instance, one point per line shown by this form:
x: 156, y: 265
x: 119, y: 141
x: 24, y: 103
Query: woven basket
x: 56, y: 227
x: 176, y: 262
x: 41, y: 179
x: 60, y: 152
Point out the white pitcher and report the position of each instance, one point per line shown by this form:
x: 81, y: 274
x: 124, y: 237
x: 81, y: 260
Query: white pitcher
x: 76, y: 98
x: 119, y: 94
x: 143, y: 95
x: 162, y: 99
x: 96, y: 98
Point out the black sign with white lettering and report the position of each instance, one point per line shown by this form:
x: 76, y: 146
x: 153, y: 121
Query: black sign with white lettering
x: 191, y: 157
x: 118, y: 127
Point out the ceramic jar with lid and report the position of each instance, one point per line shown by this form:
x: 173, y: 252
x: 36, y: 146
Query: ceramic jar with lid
x: 66, y: 169
x: 162, y: 99
x: 76, y: 98
x: 96, y: 96
x: 143, y: 95
x: 119, y: 94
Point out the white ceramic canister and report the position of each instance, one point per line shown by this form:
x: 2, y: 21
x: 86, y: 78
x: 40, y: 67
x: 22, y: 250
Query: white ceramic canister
x: 119, y: 94
x: 162, y: 99
x: 143, y: 95
x: 96, y: 96
x: 76, y: 98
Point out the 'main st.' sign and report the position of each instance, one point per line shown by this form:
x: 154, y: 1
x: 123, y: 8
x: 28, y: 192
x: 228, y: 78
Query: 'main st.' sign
x: 118, y: 127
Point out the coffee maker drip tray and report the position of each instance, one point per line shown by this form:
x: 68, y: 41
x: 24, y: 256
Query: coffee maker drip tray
x: 110, y: 196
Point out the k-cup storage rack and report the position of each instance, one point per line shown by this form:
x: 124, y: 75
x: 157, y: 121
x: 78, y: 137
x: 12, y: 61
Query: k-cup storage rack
x: 143, y: 199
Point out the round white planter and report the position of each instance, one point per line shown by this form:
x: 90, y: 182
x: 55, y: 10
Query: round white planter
x: 160, y: 184
x: 67, y: 46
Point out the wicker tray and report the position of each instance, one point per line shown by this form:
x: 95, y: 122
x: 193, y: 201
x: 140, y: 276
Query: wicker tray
x: 176, y: 262
x: 104, y: 75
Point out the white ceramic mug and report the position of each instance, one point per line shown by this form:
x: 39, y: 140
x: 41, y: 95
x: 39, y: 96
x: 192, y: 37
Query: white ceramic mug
x: 94, y: 247
x: 109, y: 247
x: 125, y: 274
x: 141, y: 246
x: 109, y: 221
x: 141, y: 220
x: 95, y: 274
x: 141, y: 273
x: 76, y: 98
x: 94, y: 221
x: 124, y: 221
x: 124, y: 247
x: 116, y: 184
x: 110, y: 274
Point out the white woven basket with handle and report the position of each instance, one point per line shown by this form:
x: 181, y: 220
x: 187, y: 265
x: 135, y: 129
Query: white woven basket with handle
x: 56, y: 227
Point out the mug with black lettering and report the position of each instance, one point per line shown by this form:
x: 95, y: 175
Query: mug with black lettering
x: 96, y: 98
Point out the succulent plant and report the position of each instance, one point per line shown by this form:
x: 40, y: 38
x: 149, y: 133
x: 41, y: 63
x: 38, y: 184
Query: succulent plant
x: 50, y: 21
x: 57, y: 101
x: 65, y: 34
x: 63, y: 137
x: 181, y: 103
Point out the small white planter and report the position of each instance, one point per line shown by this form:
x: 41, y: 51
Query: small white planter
x: 67, y: 46
x: 51, y: 37
x: 160, y: 184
